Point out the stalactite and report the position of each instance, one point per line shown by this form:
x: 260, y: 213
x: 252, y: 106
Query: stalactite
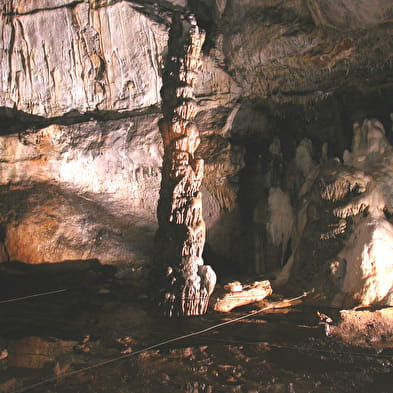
x: 181, y: 235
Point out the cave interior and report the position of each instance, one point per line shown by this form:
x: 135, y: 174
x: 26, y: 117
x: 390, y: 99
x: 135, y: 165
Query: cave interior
x: 294, y: 116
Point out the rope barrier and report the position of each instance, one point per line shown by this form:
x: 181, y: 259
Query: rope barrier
x: 33, y: 296
x: 301, y: 349
x: 149, y: 348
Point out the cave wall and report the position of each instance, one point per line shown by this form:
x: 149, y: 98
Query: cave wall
x: 81, y: 100
x: 71, y: 56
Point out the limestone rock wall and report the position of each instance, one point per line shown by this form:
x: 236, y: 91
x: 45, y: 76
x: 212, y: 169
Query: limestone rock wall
x: 347, y: 15
x: 88, y: 55
x: 44, y: 223
x: 116, y: 160
x: 112, y: 165
x: 67, y: 68
x: 74, y: 57
x: 79, y: 192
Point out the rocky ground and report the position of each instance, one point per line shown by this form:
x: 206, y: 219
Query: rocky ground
x: 92, y: 336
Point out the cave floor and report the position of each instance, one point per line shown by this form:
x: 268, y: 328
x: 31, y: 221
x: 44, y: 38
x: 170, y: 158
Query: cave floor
x: 88, y: 337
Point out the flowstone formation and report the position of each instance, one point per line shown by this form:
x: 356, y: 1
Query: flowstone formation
x: 343, y: 234
x: 181, y: 234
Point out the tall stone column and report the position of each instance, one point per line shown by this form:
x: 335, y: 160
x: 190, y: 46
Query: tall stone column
x: 180, y: 239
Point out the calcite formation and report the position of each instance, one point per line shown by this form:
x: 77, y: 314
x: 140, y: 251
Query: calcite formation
x: 343, y: 234
x: 80, y: 92
x: 181, y: 234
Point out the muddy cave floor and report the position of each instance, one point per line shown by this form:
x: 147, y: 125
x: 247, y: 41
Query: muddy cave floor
x: 100, y: 319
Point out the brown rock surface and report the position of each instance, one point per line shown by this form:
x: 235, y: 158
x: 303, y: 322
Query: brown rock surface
x: 48, y: 224
x: 303, y: 50
x: 365, y: 327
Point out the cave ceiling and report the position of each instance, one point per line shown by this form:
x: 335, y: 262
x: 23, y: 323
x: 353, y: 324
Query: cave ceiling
x: 307, y: 50
x: 277, y: 52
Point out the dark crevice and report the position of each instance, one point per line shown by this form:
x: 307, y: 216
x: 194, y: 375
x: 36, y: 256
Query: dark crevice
x: 2, y: 233
x: 13, y: 121
x: 160, y: 14
x: 12, y: 13
x: 206, y: 20
x: 388, y: 213
x: 10, y: 49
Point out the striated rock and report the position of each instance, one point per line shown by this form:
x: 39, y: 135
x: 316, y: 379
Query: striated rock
x: 28, y: 6
x: 106, y: 58
x: 117, y: 160
x: 78, y: 192
x: 81, y: 154
x: 347, y: 15
x: 107, y: 54
x: 102, y: 56
x: 111, y: 167
x: 214, y: 87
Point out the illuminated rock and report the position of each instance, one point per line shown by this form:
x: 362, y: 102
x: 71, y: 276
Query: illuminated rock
x: 344, y: 234
x: 75, y: 57
x: 181, y: 234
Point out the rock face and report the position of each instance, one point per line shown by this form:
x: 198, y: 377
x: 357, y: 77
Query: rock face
x: 65, y: 190
x: 303, y: 50
x: 86, y: 181
x: 118, y: 160
x: 71, y: 56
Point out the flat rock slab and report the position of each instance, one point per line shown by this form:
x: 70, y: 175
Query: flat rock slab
x: 237, y: 295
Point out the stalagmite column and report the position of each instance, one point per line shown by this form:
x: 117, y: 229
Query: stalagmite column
x: 180, y: 239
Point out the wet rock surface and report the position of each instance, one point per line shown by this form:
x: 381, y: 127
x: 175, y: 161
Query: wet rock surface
x: 99, y: 325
